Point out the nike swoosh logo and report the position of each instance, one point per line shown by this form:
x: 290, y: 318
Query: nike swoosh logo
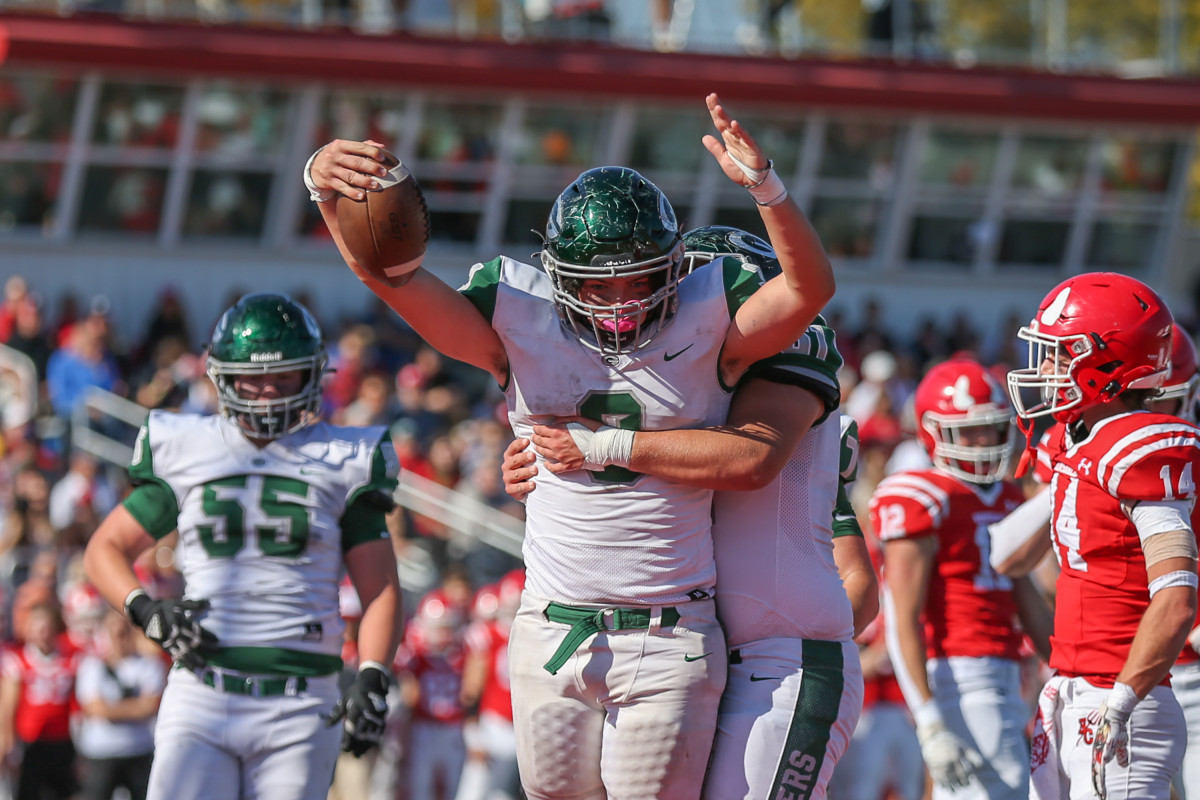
x: 670, y: 356
x: 690, y: 659
x: 754, y: 677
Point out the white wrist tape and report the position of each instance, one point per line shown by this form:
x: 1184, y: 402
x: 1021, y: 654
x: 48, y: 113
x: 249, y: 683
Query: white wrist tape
x: 1121, y: 699
x: 766, y: 187
x: 604, y: 447
x: 927, y: 714
x: 129, y: 597
x: 1180, y: 577
x: 315, y: 194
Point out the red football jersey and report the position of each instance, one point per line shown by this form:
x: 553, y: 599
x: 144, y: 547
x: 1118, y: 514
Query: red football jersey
x: 47, y: 691
x: 883, y: 686
x: 439, y: 676
x: 969, y: 609
x: 491, y: 638
x: 1043, y: 464
x: 1102, y: 589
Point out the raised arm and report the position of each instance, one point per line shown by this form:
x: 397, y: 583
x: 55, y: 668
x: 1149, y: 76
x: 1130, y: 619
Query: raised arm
x: 778, y: 313
x: 444, y: 318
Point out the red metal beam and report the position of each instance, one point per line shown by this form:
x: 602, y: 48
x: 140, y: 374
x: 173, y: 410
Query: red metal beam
x: 589, y: 69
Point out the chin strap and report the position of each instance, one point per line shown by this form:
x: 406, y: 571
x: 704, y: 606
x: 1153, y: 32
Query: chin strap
x: 1025, y: 426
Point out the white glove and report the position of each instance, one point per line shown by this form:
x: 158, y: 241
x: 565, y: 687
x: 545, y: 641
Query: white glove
x: 1111, y: 734
x: 949, y: 759
x: 1193, y: 639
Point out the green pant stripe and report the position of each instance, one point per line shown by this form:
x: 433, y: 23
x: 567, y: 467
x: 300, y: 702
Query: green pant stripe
x: 816, y: 712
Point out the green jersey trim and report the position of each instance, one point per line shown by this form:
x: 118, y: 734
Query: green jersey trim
x: 482, y: 286
x: 741, y: 280
x: 811, y: 363
x: 813, y: 718
x: 364, y: 521
x: 845, y: 521
x: 849, y: 460
x: 141, y: 465
x: 383, y: 477
x: 154, y: 506
x: 275, y: 661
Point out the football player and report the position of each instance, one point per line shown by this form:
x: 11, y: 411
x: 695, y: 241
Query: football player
x: 491, y: 772
x: 1177, y: 397
x: 951, y: 620
x: 270, y: 503
x: 1122, y: 489
x: 615, y: 689
x: 794, y: 690
x: 430, y: 670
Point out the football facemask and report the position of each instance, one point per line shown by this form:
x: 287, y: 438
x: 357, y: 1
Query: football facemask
x: 612, y: 223
x: 1095, y: 336
x: 267, y: 334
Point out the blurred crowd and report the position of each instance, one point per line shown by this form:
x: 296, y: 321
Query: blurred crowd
x: 449, y: 426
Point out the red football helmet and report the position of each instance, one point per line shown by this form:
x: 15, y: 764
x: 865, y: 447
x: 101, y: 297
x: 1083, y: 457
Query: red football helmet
x: 1182, y: 378
x: 437, y: 623
x: 486, y: 602
x: 964, y: 421
x: 1094, y: 336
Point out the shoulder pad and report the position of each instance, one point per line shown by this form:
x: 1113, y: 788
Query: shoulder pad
x: 908, y: 505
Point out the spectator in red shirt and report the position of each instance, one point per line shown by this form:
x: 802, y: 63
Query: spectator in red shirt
x: 37, y: 690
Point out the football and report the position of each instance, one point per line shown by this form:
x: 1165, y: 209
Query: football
x: 388, y: 230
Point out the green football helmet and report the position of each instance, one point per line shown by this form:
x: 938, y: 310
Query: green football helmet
x: 702, y: 245
x: 613, y: 223
x: 267, y: 334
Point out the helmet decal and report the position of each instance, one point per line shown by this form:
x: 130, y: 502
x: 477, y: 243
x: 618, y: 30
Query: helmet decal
x: 1094, y: 336
x: 965, y: 422
x: 1054, y: 311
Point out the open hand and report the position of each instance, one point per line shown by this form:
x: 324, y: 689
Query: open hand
x: 736, y: 144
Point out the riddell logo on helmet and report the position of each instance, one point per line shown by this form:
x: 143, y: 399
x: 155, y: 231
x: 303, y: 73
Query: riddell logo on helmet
x: 272, y: 356
x: 612, y: 261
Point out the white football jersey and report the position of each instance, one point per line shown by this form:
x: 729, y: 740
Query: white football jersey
x: 260, y: 534
x: 774, y: 546
x: 616, y: 536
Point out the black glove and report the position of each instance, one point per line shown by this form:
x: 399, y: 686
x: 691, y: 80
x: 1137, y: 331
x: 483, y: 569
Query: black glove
x: 362, y: 709
x: 172, y: 625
